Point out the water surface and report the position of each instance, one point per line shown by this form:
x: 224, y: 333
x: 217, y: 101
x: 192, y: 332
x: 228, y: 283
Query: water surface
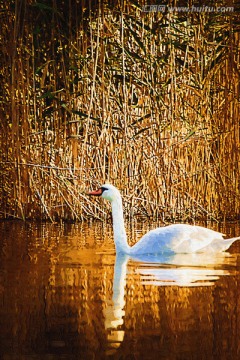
x: 64, y: 294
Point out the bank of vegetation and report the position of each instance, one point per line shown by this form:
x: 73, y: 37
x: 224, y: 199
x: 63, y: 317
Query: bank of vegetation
x: 99, y: 91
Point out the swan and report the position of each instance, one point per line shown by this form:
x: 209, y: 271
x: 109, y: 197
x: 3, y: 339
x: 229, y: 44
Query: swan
x: 175, y: 238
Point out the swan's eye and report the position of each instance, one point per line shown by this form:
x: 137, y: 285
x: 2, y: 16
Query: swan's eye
x: 103, y: 188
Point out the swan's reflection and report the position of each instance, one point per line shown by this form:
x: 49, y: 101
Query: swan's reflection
x: 184, y: 269
x: 114, y: 313
x: 161, y: 270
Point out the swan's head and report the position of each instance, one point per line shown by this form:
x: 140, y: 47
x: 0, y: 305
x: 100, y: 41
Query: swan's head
x: 108, y: 192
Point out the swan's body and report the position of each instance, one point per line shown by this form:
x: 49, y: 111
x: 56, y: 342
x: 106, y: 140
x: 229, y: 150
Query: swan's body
x: 176, y: 238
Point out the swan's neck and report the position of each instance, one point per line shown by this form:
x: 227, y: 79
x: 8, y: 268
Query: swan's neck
x: 120, y: 237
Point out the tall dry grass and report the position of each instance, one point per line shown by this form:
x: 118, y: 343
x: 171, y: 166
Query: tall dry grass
x: 97, y: 91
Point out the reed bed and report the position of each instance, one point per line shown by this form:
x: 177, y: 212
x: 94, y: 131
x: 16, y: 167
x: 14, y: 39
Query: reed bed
x: 96, y: 92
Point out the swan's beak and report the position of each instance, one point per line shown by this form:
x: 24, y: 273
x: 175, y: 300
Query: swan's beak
x: 96, y: 192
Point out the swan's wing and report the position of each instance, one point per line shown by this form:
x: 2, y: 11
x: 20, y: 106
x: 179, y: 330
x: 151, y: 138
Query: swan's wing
x: 178, y: 238
x: 218, y: 245
x: 191, y: 239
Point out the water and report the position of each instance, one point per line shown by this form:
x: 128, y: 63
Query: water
x: 64, y: 294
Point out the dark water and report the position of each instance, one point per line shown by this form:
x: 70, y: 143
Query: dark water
x: 65, y: 295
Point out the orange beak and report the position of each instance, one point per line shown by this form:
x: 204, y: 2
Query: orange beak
x: 96, y: 192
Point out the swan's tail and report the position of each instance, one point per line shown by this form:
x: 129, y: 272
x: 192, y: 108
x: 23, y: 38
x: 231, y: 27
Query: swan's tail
x: 223, y: 245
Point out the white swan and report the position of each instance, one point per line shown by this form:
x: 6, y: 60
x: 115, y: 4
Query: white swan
x: 176, y: 238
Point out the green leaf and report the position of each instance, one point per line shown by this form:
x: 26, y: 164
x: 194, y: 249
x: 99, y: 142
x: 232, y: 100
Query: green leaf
x: 42, y: 6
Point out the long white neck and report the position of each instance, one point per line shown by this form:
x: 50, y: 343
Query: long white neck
x: 120, y: 237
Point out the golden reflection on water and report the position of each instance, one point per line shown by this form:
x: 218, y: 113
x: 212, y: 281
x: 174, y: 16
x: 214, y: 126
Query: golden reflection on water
x: 65, y: 294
